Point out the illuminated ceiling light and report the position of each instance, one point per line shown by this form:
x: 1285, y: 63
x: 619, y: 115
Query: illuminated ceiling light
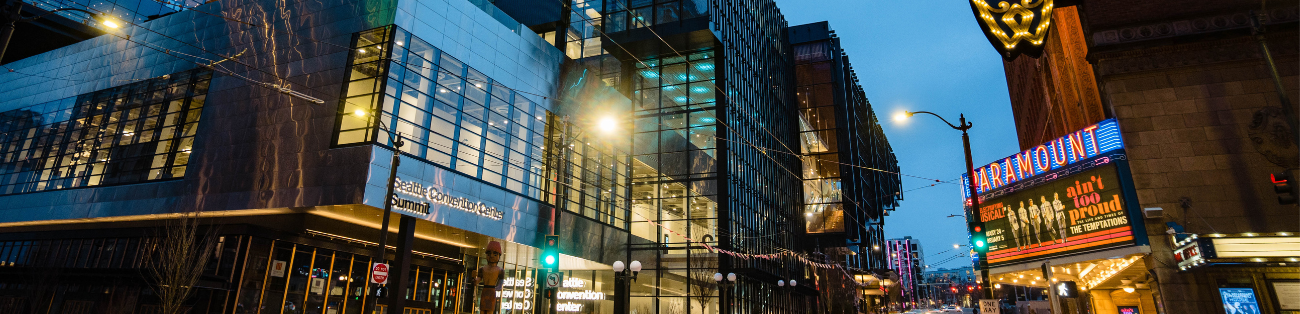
x: 111, y: 24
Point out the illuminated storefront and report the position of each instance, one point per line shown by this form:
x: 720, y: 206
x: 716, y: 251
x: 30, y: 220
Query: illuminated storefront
x: 1069, y: 203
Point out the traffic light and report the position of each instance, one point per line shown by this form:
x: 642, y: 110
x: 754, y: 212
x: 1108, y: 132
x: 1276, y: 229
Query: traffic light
x: 551, y: 253
x: 1285, y: 189
x: 977, y: 240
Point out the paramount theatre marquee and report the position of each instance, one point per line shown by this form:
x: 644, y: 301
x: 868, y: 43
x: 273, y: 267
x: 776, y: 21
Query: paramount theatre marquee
x: 1069, y: 200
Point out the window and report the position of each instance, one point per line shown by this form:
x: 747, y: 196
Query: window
x: 448, y: 114
x: 140, y: 132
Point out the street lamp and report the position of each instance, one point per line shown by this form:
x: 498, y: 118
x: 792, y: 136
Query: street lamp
x: 623, y: 282
x: 11, y: 14
x: 963, y: 126
x: 388, y: 198
x: 780, y: 284
x: 724, y: 284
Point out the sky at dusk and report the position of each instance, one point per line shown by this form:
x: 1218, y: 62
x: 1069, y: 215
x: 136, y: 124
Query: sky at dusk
x: 924, y: 55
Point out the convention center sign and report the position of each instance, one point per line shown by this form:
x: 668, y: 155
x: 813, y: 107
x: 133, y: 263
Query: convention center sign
x: 1068, y: 196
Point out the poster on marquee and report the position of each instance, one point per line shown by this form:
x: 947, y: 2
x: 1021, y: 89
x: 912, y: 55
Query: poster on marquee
x: 1085, y: 211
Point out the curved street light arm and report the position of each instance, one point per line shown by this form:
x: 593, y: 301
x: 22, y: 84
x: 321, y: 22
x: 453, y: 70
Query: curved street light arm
x: 395, y: 137
x: 965, y: 125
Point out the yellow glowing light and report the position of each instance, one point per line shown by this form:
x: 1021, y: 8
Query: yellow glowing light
x: 901, y: 116
x: 1128, y: 289
x: 608, y: 124
x: 109, y: 22
x: 1017, y: 15
x: 359, y: 113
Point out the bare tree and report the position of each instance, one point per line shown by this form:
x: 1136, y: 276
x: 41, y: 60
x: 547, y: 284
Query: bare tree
x: 702, y: 287
x: 180, y: 258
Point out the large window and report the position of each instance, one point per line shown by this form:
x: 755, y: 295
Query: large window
x: 447, y: 112
x: 138, y: 132
x: 818, y: 140
x: 630, y: 14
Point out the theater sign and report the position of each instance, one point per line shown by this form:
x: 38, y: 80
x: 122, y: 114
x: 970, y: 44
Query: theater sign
x: 1069, y: 196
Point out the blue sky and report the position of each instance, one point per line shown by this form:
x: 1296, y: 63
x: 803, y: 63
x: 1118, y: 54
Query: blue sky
x: 924, y: 55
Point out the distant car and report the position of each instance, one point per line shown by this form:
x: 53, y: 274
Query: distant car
x: 951, y: 309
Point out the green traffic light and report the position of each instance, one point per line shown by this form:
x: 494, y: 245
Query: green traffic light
x: 550, y: 260
x: 979, y: 243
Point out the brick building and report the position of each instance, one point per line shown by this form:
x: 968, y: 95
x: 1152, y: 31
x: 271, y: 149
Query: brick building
x: 1203, y: 128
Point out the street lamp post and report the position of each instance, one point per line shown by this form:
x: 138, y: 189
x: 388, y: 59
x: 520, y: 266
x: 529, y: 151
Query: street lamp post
x: 623, y: 279
x: 724, y: 284
x: 780, y: 284
x: 11, y: 14
x: 382, y: 250
x: 962, y: 126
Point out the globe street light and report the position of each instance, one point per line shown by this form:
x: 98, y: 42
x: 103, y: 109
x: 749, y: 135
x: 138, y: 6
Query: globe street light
x: 963, y: 126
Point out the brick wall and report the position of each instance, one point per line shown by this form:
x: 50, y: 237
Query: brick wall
x: 1186, y: 131
x: 1110, y: 13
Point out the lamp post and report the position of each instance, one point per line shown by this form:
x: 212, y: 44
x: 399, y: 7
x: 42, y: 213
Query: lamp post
x: 382, y: 250
x: 11, y: 14
x: 623, y: 284
x: 724, y: 284
x: 962, y: 126
x: 780, y: 284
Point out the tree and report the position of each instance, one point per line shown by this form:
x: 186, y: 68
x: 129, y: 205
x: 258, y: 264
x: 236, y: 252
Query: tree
x: 703, y: 265
x: 180, y: 258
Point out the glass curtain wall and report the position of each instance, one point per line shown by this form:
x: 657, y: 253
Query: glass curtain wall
x: 632, y: 14
x: 763, y: 190
x: 589, y: 176
x: 448, y: 113
x: 675, y: 180
x: 818, y: 139
x: 139, y: 132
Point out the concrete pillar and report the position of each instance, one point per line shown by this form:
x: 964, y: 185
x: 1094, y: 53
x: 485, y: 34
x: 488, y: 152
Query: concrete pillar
x: 1147, y: 301
x: 1102, y: 303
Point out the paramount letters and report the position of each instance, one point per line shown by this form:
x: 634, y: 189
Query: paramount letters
x: 433, y: 195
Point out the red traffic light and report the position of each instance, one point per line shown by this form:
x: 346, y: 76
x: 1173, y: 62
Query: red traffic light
x: 978, y: 229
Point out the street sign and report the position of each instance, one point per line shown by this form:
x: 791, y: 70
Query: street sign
x: 379, y: 273
x: 553, y: 280
x: 989, y: 306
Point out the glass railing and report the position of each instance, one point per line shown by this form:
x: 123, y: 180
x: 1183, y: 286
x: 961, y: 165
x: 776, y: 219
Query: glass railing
x: 499, y: 15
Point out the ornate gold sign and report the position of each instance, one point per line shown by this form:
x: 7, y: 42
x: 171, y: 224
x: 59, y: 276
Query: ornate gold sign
x: 1014, y: 27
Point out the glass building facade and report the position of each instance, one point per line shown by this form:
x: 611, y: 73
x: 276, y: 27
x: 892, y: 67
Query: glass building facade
x: 138, y: 132
x: 447, y: 113
x: 703, y: 174
x: 850, y: 173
